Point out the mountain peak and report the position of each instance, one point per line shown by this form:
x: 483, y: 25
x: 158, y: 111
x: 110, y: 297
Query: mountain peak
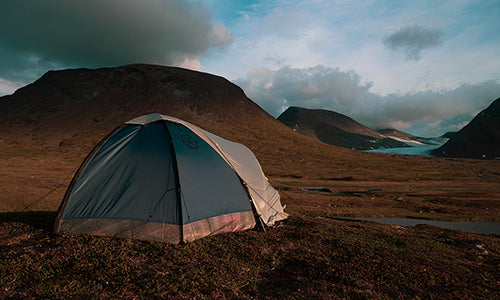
x: 69, y: 104
x: 478, y: 139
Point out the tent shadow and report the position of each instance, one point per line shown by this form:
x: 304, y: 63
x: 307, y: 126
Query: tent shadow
x: 38, y: 219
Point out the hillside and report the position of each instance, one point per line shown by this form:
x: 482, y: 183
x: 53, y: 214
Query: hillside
x: 478, y: 139
x: 335, y: 129
x: 63, y: 106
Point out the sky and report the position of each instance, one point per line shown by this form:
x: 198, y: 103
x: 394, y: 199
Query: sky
x: 424, y: 67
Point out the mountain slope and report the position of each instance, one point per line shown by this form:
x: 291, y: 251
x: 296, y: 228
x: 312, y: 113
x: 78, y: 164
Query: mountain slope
x: 478, y: 139
x: 62, y: 105
x: 335, y: 129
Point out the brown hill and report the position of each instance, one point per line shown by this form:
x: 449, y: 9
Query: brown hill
x: 64, y: 106
x: 335, y: 129
x: 478, y: 139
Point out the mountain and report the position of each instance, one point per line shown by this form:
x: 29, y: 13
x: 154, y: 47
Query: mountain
x: 335, y: 129
x: 478, y: 139
x: 69, y: 107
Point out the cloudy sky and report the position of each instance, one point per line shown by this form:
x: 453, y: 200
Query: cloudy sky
x: 425, y: 67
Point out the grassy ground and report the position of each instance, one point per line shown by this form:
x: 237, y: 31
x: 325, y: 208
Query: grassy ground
x: 308, y: 256
x: 311, y: 255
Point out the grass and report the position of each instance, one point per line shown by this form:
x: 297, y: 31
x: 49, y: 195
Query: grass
x: 308, y: 256
x: 311, y: 255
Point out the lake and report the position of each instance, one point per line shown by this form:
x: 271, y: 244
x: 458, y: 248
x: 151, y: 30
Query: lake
x: 486, y: 227
x: 423, y: 150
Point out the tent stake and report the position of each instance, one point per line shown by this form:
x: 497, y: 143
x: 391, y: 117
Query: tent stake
x: 262, y: 224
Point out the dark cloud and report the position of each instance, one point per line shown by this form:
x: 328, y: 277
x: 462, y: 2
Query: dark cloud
x: 40, y: 34
x: 427, y: 113
x: 413, y: 39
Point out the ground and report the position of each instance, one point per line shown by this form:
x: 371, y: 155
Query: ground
x: 313, y: 254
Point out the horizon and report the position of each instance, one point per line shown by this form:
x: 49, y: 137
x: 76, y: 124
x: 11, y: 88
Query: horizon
x: 422, y: 68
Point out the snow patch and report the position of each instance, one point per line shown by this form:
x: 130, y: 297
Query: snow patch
x: 415, y: 142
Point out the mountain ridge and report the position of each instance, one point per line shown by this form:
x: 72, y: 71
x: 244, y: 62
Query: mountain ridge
x: 67, y: 103
x: 335, y: 129
x: 480, y: 138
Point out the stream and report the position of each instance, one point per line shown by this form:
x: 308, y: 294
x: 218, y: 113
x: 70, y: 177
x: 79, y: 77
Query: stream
x: 486, y: 227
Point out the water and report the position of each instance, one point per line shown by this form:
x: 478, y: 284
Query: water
x: 486, y: 227
x: 422, y: 150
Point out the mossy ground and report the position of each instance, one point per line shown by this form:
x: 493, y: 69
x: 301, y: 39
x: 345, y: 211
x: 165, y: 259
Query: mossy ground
x: 307, y: 256
x: 310, y: 255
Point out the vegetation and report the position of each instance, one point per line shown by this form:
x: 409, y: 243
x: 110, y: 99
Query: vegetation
x: 311, y: 255
x: 307, y: 256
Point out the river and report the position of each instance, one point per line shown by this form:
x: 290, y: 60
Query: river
x: 486, y: 227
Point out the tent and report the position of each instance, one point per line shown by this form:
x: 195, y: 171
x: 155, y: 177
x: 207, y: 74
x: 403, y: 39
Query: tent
x: 161, y: 178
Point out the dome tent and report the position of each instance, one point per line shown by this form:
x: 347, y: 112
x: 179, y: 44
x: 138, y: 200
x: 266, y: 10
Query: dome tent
x: 161, y: 178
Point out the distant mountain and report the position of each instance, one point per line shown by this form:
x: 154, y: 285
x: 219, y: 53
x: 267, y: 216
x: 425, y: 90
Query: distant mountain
x: 478, y: 139
x: 335, y: 129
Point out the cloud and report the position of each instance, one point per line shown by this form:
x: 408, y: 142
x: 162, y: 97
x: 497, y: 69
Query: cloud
x: 426, y: 113
x: 315, y: 87
x: 37, y: 35
x: 8, y: 87
x: 413, y: 39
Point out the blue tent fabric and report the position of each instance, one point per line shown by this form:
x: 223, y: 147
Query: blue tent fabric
x: 209, y: 187
x: 155, y: 181
x: 130, y: 177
